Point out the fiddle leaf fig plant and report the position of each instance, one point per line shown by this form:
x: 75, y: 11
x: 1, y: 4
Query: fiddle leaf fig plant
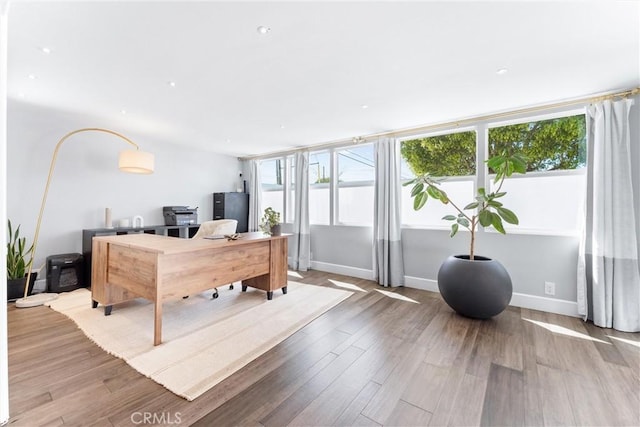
x: 485, y: 210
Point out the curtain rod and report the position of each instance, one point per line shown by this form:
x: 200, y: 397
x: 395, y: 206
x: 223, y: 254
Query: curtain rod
x: 453, y: 123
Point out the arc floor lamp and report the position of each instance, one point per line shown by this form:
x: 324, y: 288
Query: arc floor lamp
x: 132, y: 161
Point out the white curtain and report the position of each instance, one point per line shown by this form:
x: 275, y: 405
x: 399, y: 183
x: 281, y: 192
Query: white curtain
x: 608, y: 274
x: 300, y: 241
x: 255, y: 189
x: 388, y: 263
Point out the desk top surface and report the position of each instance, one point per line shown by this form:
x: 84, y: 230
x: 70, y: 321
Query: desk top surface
x: 172, y: 245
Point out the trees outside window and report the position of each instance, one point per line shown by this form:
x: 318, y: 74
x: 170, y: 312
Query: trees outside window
x: 451, y: 155
x: 556, y: 155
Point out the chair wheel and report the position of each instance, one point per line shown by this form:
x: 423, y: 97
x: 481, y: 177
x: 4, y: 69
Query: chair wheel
x: 231, y: 287
x: 214, y: 296
x: 185, y: 297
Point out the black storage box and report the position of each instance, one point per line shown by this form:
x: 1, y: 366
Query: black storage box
x: 65, y: 272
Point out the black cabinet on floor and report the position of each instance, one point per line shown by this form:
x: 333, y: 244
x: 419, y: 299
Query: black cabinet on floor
x: 232, y: 206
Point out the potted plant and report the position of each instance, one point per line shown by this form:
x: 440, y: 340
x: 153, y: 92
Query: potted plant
x: 474, y: 286
x: 18, y: 261
x: 270, y: 223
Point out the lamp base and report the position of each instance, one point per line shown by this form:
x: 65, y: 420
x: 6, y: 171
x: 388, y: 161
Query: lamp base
x: 35, y: 300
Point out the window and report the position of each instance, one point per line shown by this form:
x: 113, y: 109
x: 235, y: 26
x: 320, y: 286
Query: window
x: 549, y: 196
x: 356, y: 176
x: 319, y: 187
x: 271, y: 175
x: 547, y: 199
x: 449, y: 155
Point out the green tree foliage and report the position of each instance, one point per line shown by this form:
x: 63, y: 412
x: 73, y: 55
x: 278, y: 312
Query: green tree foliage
x: 554, y: 144
x: 453, y: 154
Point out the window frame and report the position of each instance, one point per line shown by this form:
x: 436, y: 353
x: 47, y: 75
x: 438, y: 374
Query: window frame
x: 350, y: 184
x: 483, y: 178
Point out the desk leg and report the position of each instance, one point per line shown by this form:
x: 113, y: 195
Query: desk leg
x: 157, y: 323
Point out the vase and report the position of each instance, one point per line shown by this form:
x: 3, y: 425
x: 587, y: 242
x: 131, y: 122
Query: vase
x: 480, y: 288
x: 15, y: 287
x: 276, y: 230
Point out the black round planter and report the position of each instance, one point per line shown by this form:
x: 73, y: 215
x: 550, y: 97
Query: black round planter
x: 479, y: 289
x: 15, y: 287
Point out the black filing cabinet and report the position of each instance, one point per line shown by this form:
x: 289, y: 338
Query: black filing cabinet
x: 232, y: 206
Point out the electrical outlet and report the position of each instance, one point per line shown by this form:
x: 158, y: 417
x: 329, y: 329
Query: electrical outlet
x: 549, y: 288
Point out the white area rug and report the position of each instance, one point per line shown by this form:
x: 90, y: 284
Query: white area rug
x: 204, y: 340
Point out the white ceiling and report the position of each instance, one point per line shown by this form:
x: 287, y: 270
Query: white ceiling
x: 304, y: 83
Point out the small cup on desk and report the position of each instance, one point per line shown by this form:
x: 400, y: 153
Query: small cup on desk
x: 124, y: 223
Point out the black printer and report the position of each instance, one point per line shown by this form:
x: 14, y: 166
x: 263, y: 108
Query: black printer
x: 180, y: 215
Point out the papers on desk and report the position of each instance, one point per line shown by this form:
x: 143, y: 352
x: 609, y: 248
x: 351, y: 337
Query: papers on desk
x: 215, y: 236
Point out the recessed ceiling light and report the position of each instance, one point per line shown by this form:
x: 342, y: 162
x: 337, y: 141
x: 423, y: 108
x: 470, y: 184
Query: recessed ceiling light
x: 32, y: 76
x: 502, y: 71
x: 45, y: 50
x: 172, y: 84
x: 281, y: 126
x: 123, y: 111
x: 262, y: 29
x: 364, y: 106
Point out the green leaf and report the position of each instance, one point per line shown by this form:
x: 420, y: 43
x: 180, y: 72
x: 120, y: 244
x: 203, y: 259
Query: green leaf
x: 507, y: 215
x: 419, y: 201
x: 454, y: 230
x: 500, y: 194
x: 417, y: 189
x: 485, y: 218
x: 411, y: 181
x: 472, y: 205
x: 519, y: 165
x: 463, y: 222
x: 481, y: 191
x: 494, y: 204
x: 449, y: 218
x: 434, y: 192
x: 495, y: 162
x: 497, y: 223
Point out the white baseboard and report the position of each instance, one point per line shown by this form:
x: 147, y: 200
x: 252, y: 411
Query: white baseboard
x: 534, y: 302
x: 360, y: 273
x: 550, y: 305
x: 420, y: 283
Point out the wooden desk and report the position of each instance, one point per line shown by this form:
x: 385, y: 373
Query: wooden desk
x: 161, y: 268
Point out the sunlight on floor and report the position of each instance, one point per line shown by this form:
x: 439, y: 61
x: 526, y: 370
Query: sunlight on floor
x: 626, y: 341
x: 565, y: 331
x: 346, y: 285
x: 397, y: 296
x: 295, y: 274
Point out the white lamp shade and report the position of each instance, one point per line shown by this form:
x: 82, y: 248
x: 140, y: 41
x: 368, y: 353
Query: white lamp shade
x: 136, y: 161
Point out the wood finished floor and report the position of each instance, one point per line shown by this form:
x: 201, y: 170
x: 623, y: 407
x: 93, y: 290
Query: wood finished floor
x: 398, y: 357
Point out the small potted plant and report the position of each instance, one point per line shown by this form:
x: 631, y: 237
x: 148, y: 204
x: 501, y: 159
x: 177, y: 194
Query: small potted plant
x: 18, y: 261
x: 270, y: 223
x: 474, y: 286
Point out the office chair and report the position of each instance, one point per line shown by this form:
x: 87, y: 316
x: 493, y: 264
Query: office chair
x: 216, y: 227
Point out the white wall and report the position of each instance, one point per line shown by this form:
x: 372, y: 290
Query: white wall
x: 86, y: 179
